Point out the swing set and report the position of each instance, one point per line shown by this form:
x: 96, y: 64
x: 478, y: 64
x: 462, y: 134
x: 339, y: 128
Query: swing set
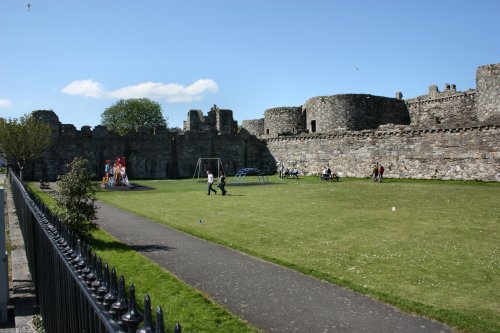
x: 207, y: 163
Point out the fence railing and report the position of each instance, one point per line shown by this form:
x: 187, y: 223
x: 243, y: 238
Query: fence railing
x: 76, y: 291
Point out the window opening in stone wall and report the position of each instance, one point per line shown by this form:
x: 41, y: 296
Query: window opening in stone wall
x: 267, y: 131
x: 313, y: 126
x: 294, y: 130
x: 438, y: 121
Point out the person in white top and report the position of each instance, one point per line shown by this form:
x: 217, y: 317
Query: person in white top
x: 210, y: 182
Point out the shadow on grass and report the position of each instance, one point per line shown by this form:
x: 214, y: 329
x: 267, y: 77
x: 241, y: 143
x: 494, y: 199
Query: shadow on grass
x: 251, y: 184
x: 101, y: 245
x: 133, y: 187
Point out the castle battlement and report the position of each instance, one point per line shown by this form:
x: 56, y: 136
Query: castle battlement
x: 401, y: 131
x: 426, y: 99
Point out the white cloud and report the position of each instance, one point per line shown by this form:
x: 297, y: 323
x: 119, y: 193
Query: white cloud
x: 5, y: 103
x: 172, y: 92
x: 87, y: 88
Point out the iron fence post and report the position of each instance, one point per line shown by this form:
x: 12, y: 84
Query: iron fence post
x: 160, y: 327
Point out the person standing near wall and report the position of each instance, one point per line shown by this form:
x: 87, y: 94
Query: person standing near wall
x: 210, y: 182
x: 380, y: 173
x: 375, y: 172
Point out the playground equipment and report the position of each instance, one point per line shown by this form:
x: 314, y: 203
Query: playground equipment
x: 115, y: 173
x: 242, y: 173
x: 207, y: 163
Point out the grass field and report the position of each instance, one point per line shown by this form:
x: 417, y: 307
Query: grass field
x: 180, y: 303
x: 437, y: 253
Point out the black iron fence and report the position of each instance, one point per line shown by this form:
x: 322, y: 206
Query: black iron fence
x: 76, y: 291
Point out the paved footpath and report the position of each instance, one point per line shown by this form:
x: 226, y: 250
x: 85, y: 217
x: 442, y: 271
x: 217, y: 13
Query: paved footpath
x: 270, y: 297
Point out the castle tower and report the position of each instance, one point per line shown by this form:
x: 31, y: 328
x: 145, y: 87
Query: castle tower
x: 224, y: 122
x: 254, y: 126
x: 195, y: 121
x: 354, y: 112
x: 284, y: 120
x: 488, y: 92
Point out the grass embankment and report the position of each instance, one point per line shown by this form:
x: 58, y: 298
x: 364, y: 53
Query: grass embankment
x: 180, y: 302
x: 436, y: 254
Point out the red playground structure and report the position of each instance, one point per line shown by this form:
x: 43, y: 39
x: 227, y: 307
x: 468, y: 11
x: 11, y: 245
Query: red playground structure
x: 115, y: 173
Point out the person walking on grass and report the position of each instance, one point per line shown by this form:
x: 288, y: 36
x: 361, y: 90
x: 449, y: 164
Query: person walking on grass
x: 210, y: 182
x: 222, y: 183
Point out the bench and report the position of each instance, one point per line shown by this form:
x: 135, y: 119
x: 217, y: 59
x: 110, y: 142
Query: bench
x: 286, y: 175
x: 44, y: 185
x: 291, y: 175
x: 330, y: 177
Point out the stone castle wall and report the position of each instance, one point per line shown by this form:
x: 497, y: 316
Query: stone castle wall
x: 353, y: 112
x: 444, y: 135
x: 195, y: 121
x: 488, y: 87
x: 219, y: 120
x: 443, y: 108
x: 470, y: 153
x: 254, y: 127
x: 284, y: 120
x: 154, y: 154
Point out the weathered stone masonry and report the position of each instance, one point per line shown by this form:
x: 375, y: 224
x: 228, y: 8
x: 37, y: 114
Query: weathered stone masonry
x: 437, y: 153
x: 443, y: 135
x: 150, y: 154
x: 488, y: 87
x: 446, y: 135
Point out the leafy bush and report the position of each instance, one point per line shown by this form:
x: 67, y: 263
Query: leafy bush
x: 75, y: 194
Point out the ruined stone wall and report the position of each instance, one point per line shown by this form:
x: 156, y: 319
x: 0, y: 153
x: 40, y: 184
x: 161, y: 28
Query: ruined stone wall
x: 284, y: 120
x: 471, y: 153
x: 254, y: 127
x: 154, y: 154
x: 220, y: 120
x: 195, y: 121
x: 236, y: 151
x: 224, y: 121
x: 488, y: 88
x: 353, y: 112
x: 443, y: 108
x: 147, y: 155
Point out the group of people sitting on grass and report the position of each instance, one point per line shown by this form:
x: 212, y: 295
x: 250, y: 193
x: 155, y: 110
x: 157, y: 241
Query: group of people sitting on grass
x: 286, y: 173
x: 327, y: 174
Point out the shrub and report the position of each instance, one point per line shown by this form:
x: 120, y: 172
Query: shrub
x: 75, y: 194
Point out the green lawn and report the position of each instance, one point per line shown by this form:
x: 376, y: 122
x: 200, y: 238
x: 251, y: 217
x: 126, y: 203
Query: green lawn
x: 437, y: 253
x: 180, y: 303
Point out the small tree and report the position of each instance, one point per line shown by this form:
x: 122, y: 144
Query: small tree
x: 128, y: 115
x: 24, y: 139
x: 75, y: 194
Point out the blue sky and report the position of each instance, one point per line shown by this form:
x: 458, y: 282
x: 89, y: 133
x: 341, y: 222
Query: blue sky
x: 80, y: 57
